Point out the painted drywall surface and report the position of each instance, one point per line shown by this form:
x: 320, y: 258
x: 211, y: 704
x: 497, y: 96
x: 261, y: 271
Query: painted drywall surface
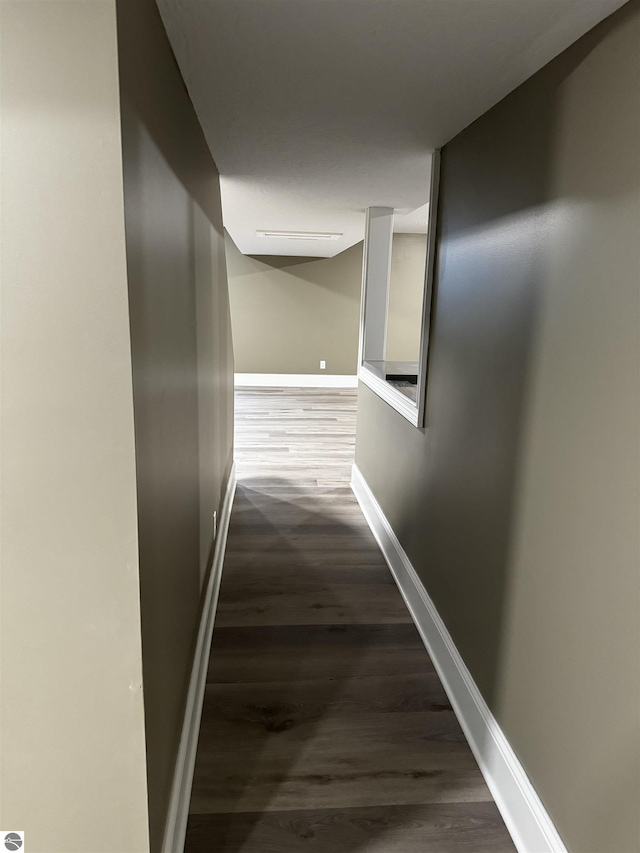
x: 518, y: 504
x: 406, y: 288
x: 288, y: 314
x: 182, y: 369
x: 73, y: 747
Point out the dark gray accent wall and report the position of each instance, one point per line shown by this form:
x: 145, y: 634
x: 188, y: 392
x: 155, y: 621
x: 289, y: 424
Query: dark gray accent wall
x: 519, y: 503
x: 182, y: 370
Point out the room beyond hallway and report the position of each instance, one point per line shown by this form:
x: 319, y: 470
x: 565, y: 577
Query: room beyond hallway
x: 325, y: 726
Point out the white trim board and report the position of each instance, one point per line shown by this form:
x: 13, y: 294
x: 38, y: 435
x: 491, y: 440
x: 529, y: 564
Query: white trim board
x: 524, y: 815
x: 294, y: 380
x: 178, y: 813
x: 395, y: 398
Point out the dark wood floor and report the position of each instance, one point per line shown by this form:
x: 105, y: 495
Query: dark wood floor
x: 325, y: 727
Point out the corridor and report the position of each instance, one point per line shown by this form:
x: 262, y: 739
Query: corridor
x: 325, y: 727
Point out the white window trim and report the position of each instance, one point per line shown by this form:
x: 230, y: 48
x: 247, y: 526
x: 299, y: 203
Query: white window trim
x: 376, y: 268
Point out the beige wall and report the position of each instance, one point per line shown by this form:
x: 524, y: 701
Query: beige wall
x: 406, y: 287
x: 518, y: 504
x: 72, y: 726
x: 290, y: 313
x: 182, y: 369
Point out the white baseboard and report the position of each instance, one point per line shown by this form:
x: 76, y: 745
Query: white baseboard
x: 524, y: 815
x: 178, y: 813
x: 294, y: 380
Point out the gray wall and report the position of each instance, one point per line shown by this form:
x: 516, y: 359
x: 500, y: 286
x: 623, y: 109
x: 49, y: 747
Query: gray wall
x: 406, y: 286
x: 73, y: 747
x: 518, y: 504
x: 289, y: 313
x: 182, y: 369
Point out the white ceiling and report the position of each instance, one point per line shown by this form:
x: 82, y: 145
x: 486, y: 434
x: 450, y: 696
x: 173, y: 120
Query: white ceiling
x: 317, y: 109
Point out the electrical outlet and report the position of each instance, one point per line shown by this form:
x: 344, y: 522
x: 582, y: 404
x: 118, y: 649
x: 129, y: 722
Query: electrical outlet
x: 215, y: 524
x: 323, y: 365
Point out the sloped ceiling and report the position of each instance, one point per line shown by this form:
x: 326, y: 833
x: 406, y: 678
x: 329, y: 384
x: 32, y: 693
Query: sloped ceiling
x: 317, y: 109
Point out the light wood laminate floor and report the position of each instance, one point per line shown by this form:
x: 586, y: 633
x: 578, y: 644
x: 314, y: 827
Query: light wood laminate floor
x: 325, y: 727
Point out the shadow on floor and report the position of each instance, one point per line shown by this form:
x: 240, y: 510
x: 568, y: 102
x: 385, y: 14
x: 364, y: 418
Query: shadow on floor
x: 325, y: 727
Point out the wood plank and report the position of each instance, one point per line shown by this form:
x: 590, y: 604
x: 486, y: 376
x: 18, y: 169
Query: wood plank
x: 294, y: 652
x: 272, y: 703
x: 292, y: 787
x: 282, y: 542
x: 433, y: 828
x: 270, y: 760
x: 310, y: 601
